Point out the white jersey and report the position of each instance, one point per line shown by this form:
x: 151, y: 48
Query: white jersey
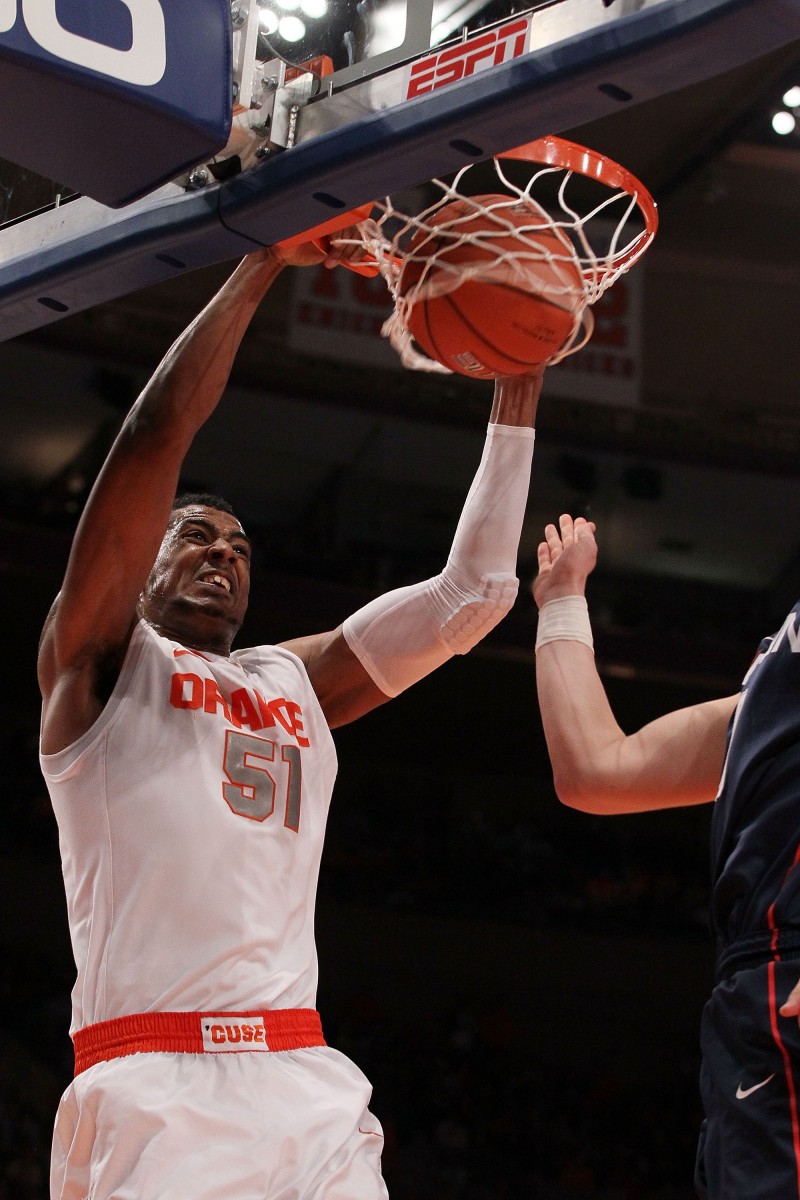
x: 191, y: 821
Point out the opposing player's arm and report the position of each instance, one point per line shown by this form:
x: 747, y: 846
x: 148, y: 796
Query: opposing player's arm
x: 672, y: 761
x: 124, y: 520
x: 402, y: 636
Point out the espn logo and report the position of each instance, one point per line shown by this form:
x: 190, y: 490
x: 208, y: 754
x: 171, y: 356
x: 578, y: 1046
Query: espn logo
x: 226, y: 1034
x: 479, y: 53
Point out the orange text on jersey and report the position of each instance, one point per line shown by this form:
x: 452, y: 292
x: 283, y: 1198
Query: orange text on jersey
x: 246, y: 707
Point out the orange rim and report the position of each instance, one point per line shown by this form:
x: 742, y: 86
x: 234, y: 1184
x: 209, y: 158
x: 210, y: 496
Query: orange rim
x: 326, y: 228
x: 558, y: 152
x: 320, y: 235
x: 549, y: 151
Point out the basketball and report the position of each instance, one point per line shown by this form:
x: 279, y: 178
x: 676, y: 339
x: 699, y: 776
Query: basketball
x: 510, y: 316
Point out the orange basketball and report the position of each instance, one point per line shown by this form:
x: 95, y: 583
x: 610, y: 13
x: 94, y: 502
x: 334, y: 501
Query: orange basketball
x: 505, y: 319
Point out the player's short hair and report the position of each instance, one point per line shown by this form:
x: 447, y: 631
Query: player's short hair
x: 207, y: 499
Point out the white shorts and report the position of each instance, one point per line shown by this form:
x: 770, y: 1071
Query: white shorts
x: 289, y: 1125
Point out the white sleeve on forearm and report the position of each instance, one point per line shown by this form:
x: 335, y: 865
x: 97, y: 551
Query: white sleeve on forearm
x: 402, y: 636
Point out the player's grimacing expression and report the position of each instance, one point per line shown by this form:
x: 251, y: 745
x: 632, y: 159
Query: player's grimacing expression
x: 200, y: 580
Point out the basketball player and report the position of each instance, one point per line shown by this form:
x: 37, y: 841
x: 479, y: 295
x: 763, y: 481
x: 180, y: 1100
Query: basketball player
x: 191, y: 787
x: 743, y: 751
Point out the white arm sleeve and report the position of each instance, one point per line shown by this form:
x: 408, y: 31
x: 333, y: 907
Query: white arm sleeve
x: 402, y: 636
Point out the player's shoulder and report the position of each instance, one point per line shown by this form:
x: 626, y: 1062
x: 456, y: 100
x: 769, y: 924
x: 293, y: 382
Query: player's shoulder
x: 269, y: 656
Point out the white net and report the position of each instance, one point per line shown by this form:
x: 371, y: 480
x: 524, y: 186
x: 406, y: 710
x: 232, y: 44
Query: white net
x: 565, y: 233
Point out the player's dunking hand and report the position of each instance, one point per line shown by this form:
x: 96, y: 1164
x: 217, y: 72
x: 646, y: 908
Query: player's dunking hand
x: 343, y: 248
x: 306, y: 254
x: 566, y: 558
x: 347, y: 248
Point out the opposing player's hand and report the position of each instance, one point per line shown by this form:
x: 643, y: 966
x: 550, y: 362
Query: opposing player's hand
x: 791, y: 1006
x: 566, y: 558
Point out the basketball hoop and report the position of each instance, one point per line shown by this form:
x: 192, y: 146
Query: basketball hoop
x: 574, y: 242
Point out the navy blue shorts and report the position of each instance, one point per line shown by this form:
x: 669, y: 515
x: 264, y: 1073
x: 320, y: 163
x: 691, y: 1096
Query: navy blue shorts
x: 750, y: 1084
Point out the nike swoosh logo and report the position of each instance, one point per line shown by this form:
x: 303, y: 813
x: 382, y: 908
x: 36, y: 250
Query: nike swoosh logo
x: 743, y: 1093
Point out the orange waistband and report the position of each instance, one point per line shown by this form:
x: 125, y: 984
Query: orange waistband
x: 197, y: 1033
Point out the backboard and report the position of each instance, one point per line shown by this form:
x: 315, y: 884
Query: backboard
x: 395, y: 92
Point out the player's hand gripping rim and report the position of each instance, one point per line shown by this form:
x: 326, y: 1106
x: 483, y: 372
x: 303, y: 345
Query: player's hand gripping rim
x: 335, y: 243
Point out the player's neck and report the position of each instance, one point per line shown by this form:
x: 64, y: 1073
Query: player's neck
x: 206, y: 635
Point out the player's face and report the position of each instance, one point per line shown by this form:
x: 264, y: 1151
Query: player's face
x: 198, y: 589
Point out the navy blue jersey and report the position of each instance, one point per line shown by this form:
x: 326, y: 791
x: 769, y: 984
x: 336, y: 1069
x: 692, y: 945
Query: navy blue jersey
x: 756, y: 826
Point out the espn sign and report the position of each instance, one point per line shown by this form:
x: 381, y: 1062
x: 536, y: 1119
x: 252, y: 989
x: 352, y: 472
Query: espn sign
x: 478, y: 53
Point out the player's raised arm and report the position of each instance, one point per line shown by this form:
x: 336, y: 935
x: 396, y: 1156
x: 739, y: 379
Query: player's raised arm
x: 674, y: 760
x: 125, y: 517
x: 404, y: 635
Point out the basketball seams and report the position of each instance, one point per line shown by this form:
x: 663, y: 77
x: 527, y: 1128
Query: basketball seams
x: 450, y: 326
x: 433, y: 347
x: 487, y: 346
x: 463, y: 288
x: 510, y: 356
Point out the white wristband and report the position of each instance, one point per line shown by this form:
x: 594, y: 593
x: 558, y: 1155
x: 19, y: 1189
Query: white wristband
x: 564, y: 620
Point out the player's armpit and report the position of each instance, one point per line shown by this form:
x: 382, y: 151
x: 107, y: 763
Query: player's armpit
x: 344, y: 689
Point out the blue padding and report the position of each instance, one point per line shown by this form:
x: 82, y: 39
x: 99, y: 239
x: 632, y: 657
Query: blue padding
x: 136, y: 249
x: 648, y: 54
x: 113, y: 138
